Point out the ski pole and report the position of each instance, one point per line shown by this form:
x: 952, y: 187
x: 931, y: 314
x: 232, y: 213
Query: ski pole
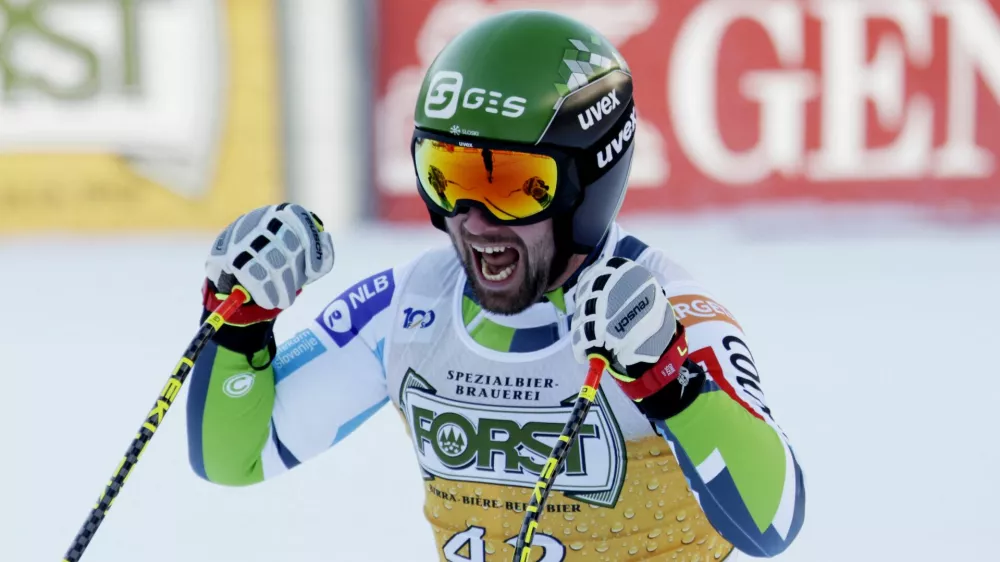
x: 548, y: 474
x: 208, y: 328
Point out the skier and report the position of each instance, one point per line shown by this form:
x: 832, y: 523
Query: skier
x: 481, y: 345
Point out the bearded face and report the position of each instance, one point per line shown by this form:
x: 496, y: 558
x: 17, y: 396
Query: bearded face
x: 508, y: 266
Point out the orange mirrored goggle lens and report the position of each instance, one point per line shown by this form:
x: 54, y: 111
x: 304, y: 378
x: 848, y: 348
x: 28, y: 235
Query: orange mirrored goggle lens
x: 512, y: 185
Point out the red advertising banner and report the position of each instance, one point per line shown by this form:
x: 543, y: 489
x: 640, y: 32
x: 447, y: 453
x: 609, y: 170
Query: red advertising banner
x: 756, y: 101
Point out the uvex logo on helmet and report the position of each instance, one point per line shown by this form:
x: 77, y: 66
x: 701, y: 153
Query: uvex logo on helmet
x: 445, y: 91
x: 618, y: 144
x: 601, y: 108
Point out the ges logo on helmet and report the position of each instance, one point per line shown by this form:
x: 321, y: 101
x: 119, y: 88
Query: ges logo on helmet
x: 445, y: 92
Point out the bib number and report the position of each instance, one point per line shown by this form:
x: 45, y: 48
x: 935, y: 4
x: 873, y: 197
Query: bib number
x: 455, y: 549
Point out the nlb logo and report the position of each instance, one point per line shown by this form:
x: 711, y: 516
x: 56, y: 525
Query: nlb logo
x: 337, y: 317
x: 445, y: 93
x: 351, y: 311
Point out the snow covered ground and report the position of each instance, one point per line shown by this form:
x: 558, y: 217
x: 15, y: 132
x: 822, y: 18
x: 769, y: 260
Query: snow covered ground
x: 879, y: 354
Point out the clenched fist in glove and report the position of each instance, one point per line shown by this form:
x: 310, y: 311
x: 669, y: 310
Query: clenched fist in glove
x: 622, y: 314
x: 273, y: 252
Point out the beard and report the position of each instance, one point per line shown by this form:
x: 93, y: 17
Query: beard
x: 534, y: 263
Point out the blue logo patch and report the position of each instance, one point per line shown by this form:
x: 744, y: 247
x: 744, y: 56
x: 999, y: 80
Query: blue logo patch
x: 352, y: 310
x: 415, y: 318
x: 296, y: 352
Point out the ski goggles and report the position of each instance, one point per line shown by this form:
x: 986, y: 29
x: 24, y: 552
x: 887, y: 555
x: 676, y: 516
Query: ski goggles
x: 513, y: 185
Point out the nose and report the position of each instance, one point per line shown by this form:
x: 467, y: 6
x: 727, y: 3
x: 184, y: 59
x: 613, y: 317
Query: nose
x: 479, y: 223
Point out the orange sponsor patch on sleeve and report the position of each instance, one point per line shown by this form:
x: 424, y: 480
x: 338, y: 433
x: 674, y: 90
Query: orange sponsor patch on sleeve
x: 695, y: 309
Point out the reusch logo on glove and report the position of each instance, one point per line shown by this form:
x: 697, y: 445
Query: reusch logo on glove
x: 317, y: 242
x: 636, y: 310
x: 314, y: 236
x: 354, y: 308
x: 631, y: 315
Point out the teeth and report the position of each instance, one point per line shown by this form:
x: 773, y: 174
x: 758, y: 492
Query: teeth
x: 501, y: 275
x: 489, y: 249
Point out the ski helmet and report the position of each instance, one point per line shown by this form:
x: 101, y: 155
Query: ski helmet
x: 538, y: 93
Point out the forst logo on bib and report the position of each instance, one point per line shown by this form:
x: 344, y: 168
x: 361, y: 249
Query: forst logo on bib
x: 445, y: 92
x: 459, y: 442
x: 343, y: 318
x: 495, y: 444
x: 448, y: 443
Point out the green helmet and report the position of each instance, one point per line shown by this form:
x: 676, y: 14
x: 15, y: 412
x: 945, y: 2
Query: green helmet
x: 535, y: 81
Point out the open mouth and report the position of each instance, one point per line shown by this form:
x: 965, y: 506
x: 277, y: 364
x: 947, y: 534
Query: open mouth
x: 496, y: 263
